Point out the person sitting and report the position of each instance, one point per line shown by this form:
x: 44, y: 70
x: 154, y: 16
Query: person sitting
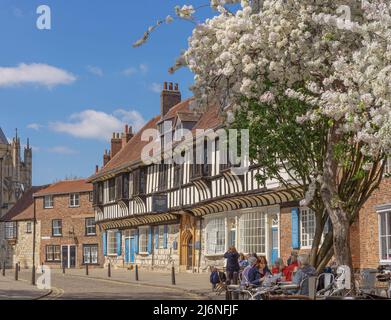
x: 292, y: 266
x: 278, y: 266
x: 214, y: 278
x: 243, y: 262
x: 252, y: 261
x: 258, y: 271
x: 304, y: 271
x: 263, y: 267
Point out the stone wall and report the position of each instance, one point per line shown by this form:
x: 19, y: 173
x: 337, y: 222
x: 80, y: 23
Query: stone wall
x: 22, y: 250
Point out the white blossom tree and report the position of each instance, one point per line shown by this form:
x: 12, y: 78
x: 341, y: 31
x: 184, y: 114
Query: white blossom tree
x: 330, y: 57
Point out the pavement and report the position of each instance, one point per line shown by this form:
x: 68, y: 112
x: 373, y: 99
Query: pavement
x: 19, y: 290
x: 75, y: 284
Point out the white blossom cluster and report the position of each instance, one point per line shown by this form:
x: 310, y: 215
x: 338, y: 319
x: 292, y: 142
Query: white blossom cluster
x: 345, y: 67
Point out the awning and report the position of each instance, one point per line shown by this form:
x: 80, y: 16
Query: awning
x: 139, y: 220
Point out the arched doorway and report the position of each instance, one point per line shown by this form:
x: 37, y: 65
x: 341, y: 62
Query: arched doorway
x: 187, y: 250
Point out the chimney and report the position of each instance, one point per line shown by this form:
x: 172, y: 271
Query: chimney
x: 96, y: 169
x: 169, y: 97
x: 126, y: 135
x: 106, y: 157
x: 116, y: 145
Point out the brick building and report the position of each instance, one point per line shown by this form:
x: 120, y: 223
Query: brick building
x: 158, y: 214
x: 16, y: 230
x: 68, y: 234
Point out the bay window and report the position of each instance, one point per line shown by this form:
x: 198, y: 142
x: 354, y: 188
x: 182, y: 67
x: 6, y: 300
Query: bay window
x: 215, y: 236
x: 252, y: 228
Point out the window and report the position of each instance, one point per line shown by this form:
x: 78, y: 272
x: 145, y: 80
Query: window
x: 161, y: 237
x: 385, y: 236
x: 57, y: 228
x: 90, y: 227
x: 231, y: 232
x: 387, y: 169
x: 48, y: 202
x: 53, y: 253
x: 90, y: 196
x: 111, y: 243
x: 143, y: 239
x: 29, y: 227
x: 111, y: 190
x: 74, y: 200
x: 90, y: 254
x: 163, y: 177
x: 177, y: 175
x: 307, y: 227
x: 252, y: 227
x: 10, y: 230
x: 215, y: 236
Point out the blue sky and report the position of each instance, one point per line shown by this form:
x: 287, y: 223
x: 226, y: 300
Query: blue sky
x: 88, y: 52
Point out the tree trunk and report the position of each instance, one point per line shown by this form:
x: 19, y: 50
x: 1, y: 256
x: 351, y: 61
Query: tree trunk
x: 333, y: 204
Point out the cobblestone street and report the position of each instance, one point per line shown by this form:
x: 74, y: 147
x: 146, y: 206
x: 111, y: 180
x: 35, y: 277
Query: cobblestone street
x: 121, y: 286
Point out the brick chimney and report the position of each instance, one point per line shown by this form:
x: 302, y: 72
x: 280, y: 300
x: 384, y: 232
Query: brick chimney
x: 126, y: 135
x: 169, y: 97
x: 116, y: 145
x: 106, y: 157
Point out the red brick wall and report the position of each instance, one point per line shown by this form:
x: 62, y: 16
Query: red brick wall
x: 73, y: 219
x: 368, y: 237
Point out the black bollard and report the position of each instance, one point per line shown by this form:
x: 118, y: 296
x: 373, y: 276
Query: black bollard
x: 136, y: 272
x: 16, y: 272
x: 3, y: 269
x: 33, y: 275
x: 109, y: 270
x: 86, y: 269
x: 19, y: 266
x: 63, y: 268
x: 173, y: 276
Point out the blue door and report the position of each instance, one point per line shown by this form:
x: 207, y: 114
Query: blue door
x: 130, y: 250
x: 274, y: 253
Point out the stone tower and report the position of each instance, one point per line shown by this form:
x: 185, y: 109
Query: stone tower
x: 15, y: 172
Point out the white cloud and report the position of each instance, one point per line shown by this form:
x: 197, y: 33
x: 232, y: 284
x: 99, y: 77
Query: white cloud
x: 129, y: 71
x: 93, y: 124
x: 62, y: 150
x: 156, y: 87
x: 95, y: 71
x: 35, y: 73
x: 17, y: 12
x: 142, y: 68
x: 34, y: 126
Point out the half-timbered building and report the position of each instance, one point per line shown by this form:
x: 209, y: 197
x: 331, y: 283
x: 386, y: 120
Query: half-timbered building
x: 186, y: 214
